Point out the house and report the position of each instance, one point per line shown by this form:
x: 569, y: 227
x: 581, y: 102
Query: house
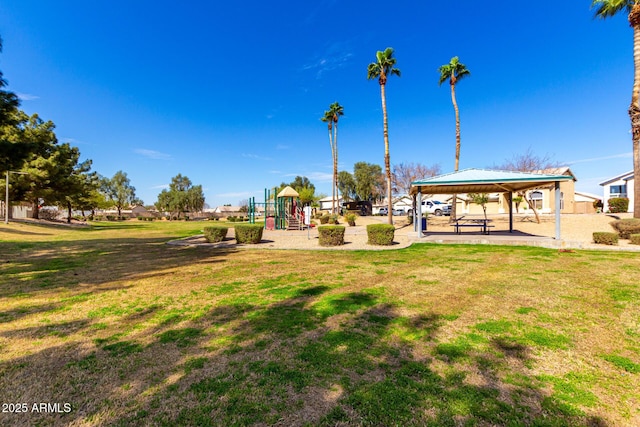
x: 326, y: 203
x: 584, y: 202
x: 619, y: 186
x: 227, y: 211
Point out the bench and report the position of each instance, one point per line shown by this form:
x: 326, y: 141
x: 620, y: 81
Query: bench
x: 481, y: 223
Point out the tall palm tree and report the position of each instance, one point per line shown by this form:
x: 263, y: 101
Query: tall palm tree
x: 336, y: 110
x: 454, y: 71
x: 605, y: 9
x: 328, y: 119
x: 382, y: 69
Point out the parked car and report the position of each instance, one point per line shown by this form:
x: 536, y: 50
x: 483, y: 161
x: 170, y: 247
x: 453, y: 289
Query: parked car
x: 435, y: 207
x: 396, y: 212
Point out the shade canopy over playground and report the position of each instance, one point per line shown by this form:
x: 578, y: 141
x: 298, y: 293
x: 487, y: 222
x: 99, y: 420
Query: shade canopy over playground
x: 488, y: 181
x: 288, y: 192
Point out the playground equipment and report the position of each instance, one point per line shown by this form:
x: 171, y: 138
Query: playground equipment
x: 281, y: 212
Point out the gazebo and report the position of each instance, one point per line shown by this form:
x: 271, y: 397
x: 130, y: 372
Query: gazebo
x: 487, y: 181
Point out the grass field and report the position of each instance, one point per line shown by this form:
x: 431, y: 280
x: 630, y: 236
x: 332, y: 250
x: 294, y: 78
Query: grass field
x: 128, y: 330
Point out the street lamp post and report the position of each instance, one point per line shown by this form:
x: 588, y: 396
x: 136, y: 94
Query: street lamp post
x: 6, y: 198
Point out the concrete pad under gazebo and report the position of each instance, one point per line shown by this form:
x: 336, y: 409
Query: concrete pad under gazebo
x: 486, y: 181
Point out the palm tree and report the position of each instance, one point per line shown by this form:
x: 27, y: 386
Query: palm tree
x: 336, y: 110
x: 454, y: 71
x: 606, y: 9
x: 382, y: 69
x: 328, y: 119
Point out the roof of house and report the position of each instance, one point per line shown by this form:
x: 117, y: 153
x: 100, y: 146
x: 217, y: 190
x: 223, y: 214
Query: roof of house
x: 485, y: 181
x: 625, y: 177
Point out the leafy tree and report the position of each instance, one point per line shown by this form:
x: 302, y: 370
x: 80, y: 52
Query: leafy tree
x: 119, y: 191
x: 182, y: 196
x: 12, y: 153
x: 480, y: 199
x: 72, y: 183
x: 347, y: 186
x: 605, y: 9
x: 528, y: 162
x: 331, y: 117
x: 305, y: 188
x: 454, y: 71
x: 383, y: 68
x: 34, y: 144
x: 369, y: 181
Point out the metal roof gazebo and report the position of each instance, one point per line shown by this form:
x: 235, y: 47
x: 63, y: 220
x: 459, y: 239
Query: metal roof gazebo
x: 487, y: 181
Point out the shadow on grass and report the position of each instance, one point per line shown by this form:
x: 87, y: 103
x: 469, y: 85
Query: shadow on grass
x: 314, y: 358
x: 76, y: 264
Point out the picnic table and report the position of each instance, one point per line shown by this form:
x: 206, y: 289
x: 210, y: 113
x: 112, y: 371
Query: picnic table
x: 481, y: 223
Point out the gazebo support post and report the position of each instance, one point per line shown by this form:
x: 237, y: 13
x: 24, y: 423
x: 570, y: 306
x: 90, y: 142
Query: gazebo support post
x: 510, y: 198
x: 557, y: 203
x: 419, y: 211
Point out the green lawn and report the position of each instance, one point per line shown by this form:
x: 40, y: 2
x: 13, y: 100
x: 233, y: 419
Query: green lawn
x: 131, y: 331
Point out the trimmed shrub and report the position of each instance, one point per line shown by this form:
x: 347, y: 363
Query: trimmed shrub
x: 605, y: 238
x: 380, y: 234
x: 333, y: 219
x: 215, y: 234
x: 626, y: 227
x: 618, y: 204
x: 248, y: 233
x: 634, y: 239
x: 324, y: 219
x: 331, y: 235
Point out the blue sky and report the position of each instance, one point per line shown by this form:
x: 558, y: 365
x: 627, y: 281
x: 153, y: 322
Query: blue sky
x: 230, y: 93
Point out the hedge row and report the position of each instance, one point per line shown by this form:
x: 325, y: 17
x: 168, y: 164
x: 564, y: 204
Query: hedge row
x: 244, y: 233
x: 626, y: 227
x: 331, y: 235
x: 380, y: 234
x: 605, y: 238
x: 215, y: 234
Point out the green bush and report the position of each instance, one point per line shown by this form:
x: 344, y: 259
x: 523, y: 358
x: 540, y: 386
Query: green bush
x: 634, y: 239
x: 215, y: 234
x: 331, y: 235
x: 231, y: 218
x: 324, y: 219
x: 605, y: 238
x: 618, y: 204
x: 351, y: 219
x: 380, y: 234
x: 333, y: 219
x: 111, y: 217
x: 626, y: 227
x: 248, y: 233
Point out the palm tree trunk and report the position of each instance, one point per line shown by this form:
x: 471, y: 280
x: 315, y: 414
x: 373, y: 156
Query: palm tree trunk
x: 634, y: 109
x: 335, y: 166
x: 454, y: 203
x: 333, y: 155
x: 387, y: 165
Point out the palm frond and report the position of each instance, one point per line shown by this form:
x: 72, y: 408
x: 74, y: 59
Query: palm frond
x: 608, y: 8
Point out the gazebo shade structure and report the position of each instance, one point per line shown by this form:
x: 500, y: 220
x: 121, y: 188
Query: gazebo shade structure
x: 488, y: 181
x: 485, y: 181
